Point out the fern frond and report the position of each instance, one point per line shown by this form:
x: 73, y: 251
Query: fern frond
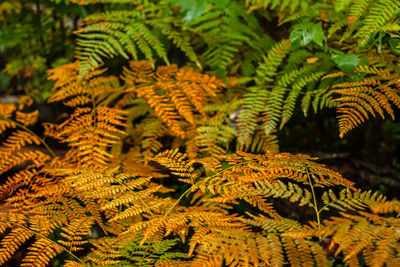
x: 6, y: 112
x: 378, y: 15
x: 350, y: 200
x: 272, y: 61
x: 374, y: 236
x: 107, y: 35
x: 254, y: 100
x: 27, y: 119
x: 77, y: 91
x: 177, y: 163
x: 41, y: 252
x: 288, y: 107
x: 12, y: 241
x: 73, y: 232
x: 91, y: 133
x: 234, y: 27
x: 359, y: 100
x: 9, y: 161
x: 172, y: 92
x: 19, y: 139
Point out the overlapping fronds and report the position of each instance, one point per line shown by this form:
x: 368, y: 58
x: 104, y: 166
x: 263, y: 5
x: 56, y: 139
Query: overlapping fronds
x: 167, y: 166
x: 173, y: 93
x: 74, y: 90
x: 377, y: 94
x: 234, y: 28
x: 126, y: 251
x: 128, y: 33
x: 254, y: 101
x: 176, y: 162
x: 279, y: 86
x: 370, y: 18
x: 90, y: 131
x: 365, y: 234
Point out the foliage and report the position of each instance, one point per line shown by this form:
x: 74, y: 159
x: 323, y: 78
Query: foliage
x: 172, y: 160
x: 34, y: 36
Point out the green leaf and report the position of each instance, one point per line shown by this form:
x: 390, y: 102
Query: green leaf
x: 190, y: 9
x: 346, y: 62
x: 306, y: 32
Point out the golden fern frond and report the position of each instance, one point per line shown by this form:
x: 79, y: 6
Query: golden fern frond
x: 37, y: 158
x: 41, y: 252
x: 92, y: 133
x: 177, y: 163
x: 6, y: 112
x: 385, y: 207
x: 368, y: 234
x: 16, y: 181
x: 173, y: 93
x: 70, y: 263
x: 352, y: 200
x: 108, y: 249
x: 77, y: 91
x: 230, y: 248
x: 12, y: 241
x: 18, y: 139
x: 181, y: 220
x: 250, y: 168
x: 375, y: 94
x: 27, y: 119
x: 73, y: 232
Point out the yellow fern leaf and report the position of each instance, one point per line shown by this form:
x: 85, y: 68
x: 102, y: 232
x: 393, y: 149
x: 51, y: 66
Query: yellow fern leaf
x: 41, y: 252
x: 172, y: 92
x: 12, y: 241
x: 27, y: 119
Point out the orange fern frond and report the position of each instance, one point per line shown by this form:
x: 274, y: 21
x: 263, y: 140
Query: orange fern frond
x: 73, y: 232
x: 12, y: 241
x: 19, y: 139
x: 172, y: 92
x: 92, y: 133
x: 375, y: 94
x: 27, y: 119
x: 177, y: 163
x: 75, y: 90
x: 41, y: 252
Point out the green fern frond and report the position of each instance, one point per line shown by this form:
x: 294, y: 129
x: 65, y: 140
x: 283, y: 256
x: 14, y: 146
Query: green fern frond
x: 378, y: 15
x: 254, y: 101
x: 111, y: 34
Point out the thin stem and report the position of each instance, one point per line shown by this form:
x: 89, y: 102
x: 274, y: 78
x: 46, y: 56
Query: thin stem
x: 179, y: 199
x: 314, y: 197
x: 48, y: 239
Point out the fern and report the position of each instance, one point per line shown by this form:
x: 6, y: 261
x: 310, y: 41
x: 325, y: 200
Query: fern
x: 360, y: 100
x: 172, y: 92
x: 255, y: 99
x: 168, y: 165
x: 128, y: 33
x: 234, y: 28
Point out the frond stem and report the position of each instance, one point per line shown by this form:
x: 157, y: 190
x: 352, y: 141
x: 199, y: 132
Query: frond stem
x: 314, y: 197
